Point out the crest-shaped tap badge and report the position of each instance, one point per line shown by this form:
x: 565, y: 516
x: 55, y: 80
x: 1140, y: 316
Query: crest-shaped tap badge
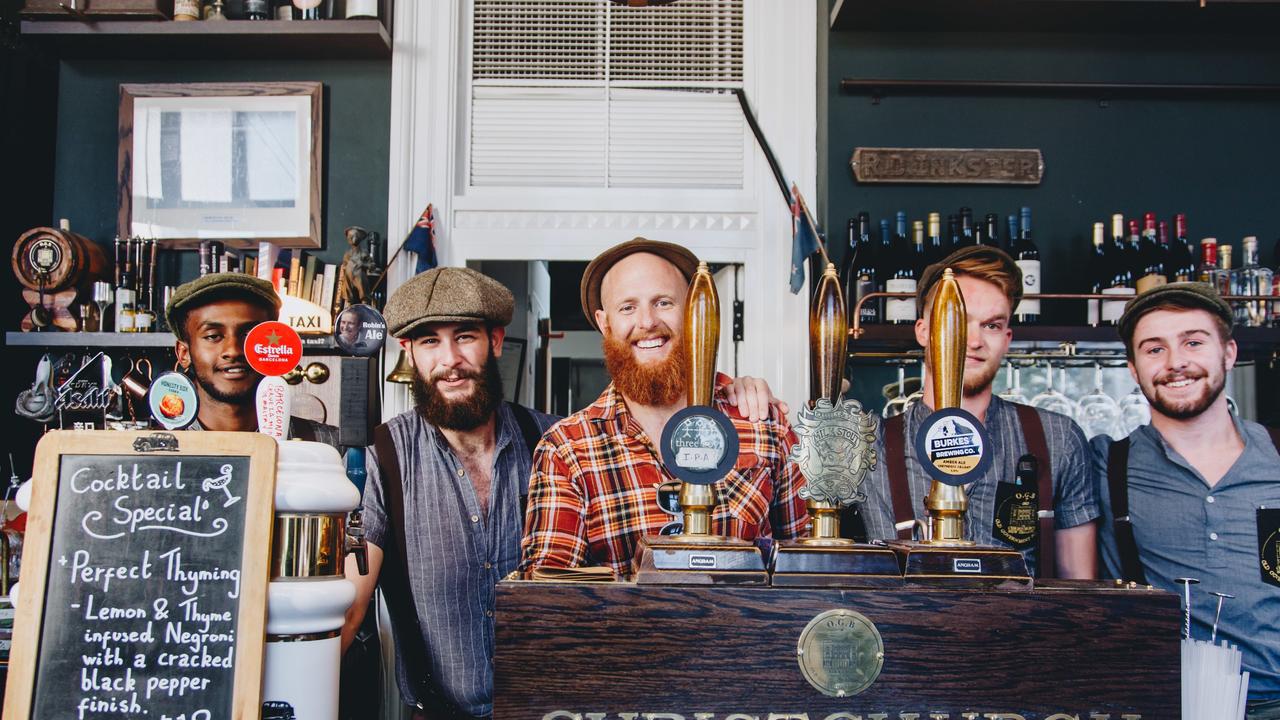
x: 836, y: 450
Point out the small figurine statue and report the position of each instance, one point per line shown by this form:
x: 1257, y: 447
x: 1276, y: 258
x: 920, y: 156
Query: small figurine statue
x: 358, y: 267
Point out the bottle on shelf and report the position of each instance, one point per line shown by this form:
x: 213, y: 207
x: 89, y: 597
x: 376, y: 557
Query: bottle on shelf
x: 919, y: 253
x: 953, y: 234
x: 257, y: 9
x: 1149, y: 256
x: 1222, y: 276
x: 1120, y: 272
x: 966, y: 228
x: 186, y: 10
x: 1101, y: 276
x: 1275, y: 286
x: 1252, y: 278
x: 991, y: 223
x: 1183, y: 265
x: 885, y: 262
x: 125, y: 296
x: 1011, y: 239
x: 935, y: 250
x: 1028, y: 261
x: 862, y: 280
x: 1208, y: 268
x: 902, y: 274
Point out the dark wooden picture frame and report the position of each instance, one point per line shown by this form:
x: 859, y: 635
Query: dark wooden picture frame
x: 309, y: 187
x: 251, y: 616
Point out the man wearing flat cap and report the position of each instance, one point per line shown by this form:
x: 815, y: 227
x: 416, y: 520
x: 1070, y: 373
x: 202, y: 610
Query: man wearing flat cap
x: 991, y: 285
x: 1197, y: 492
x: 594, y: 490
x: 210, y: 317
x: 442, y: 500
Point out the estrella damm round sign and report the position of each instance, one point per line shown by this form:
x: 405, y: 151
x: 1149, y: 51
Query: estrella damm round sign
x: 272, y: 348
x: 953, y: 447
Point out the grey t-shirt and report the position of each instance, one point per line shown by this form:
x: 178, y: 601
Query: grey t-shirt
x: 455, y: 555
x: 1074, y: 500
x: 1184, y: 528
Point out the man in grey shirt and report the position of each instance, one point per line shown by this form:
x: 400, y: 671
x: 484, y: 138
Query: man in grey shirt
x: 991, y: 284
x: 1197, y: 490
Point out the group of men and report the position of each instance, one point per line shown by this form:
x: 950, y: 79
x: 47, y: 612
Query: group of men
x: 464, y: 488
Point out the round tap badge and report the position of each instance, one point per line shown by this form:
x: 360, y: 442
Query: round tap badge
x: 172, y: 399
x: 699, y: 445
x: 273, y: 348
x: 360, y: 330
x: 953, y: 446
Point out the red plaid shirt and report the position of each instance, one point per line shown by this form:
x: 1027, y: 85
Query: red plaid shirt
x: 593, y: 492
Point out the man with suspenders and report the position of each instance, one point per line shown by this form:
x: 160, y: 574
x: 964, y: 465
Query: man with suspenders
x: 1048, y: 447
x: 1197, y: 492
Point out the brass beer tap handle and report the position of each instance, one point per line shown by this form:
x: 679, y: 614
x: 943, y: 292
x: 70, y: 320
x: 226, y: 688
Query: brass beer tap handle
x: 702, y: 335
x: 828, y: 337
x: 948, y: 335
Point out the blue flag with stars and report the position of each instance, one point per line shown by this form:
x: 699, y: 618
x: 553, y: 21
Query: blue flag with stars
x: 422, y: 241
x: 804, y: 240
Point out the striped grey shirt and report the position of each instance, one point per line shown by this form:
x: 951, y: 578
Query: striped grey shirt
x: 456, y: 555
x: 1074, y: 499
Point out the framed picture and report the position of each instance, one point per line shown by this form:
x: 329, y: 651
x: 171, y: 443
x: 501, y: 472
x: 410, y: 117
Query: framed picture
x: 511, y: 367
x: 235, y: 162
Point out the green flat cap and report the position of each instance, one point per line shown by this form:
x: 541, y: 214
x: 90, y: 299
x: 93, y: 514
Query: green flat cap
x: 448, y: 294
x: 217, y: 286
x: 989, y: 253
x: 593, y: 277
x: 1189, y: 295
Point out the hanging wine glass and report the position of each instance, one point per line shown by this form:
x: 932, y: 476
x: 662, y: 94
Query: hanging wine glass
x: 898, y: 403
x: 1098, y: 414
x: 1053, y: 400
x: 1135, y: 411
x: 1013, y: 385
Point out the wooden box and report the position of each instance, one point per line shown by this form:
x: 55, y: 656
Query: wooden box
x: 97, y: 10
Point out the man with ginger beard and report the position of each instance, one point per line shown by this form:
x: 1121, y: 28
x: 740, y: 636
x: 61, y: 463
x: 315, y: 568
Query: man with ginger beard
x: 453, y: 471
x: 1188, y: 495
x: 595, y: 487
x: 991, y: 285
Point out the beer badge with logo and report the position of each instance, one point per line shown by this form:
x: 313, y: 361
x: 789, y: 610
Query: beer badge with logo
x: 699, y: 445
x: 953, y: 446
x: 1017, y: 519
x: 1269, y: 545
x: 173, y: 401
x: 840, y: 653
x: 836, y: 451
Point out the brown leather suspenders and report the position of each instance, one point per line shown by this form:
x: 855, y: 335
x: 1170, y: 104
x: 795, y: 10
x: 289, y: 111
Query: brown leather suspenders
x: 1032, y: 432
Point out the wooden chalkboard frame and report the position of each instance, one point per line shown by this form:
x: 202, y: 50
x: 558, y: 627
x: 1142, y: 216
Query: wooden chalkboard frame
x: 259, y: 512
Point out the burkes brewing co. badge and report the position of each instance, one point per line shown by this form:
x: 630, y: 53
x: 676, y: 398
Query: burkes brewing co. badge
x: 953, y: 446
x: 835, y: 452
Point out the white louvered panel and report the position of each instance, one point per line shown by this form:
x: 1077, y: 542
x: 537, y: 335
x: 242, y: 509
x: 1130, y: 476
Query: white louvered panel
x: 689, y: 42
x: 675, y: 139
x: 538, y: 137
x: 539, y: 39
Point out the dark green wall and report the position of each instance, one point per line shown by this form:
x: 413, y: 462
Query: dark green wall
x: 357, y: 117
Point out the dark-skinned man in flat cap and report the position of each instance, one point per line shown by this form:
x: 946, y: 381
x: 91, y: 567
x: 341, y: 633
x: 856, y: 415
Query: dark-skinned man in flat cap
x: 210, y: 317
x: 594, y: 490
x: 991, y: 285
x: 462, y: 458
x: 1187, y: 495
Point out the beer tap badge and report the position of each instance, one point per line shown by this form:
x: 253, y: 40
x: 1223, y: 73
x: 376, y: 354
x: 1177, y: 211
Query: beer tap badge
x: 699, y: 445
x: 173, y: 401
x: 836, y: 451
x: 272, y: 348
x: 953, y: 446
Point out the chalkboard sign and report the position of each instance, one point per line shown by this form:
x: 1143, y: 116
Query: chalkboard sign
x: 144, y: 583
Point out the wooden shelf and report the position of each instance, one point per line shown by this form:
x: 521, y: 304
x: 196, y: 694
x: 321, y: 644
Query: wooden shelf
x: 1088, y: 16
x: 230, y: 39
x: 897, y: 338
x: 100, y: 340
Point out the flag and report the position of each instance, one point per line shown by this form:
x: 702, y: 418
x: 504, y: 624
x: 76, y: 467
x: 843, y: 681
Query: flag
x: 804, y: 239
x: 422, y: 240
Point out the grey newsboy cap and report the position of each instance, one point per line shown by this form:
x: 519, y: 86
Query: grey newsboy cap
x: 217, y: 286
x: 448, y: 294
x: 1190, y: 295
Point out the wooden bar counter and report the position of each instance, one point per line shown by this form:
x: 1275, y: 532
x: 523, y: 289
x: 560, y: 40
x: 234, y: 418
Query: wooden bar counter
x: 621, y: 651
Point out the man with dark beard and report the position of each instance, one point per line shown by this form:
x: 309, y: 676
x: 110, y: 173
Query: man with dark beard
x: 210, y: 317
x: 594, y: 490
x: 1195, y: 493
x: 453, y: 472
x: 991, y: 285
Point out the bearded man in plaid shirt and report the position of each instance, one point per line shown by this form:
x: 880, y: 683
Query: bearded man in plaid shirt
x: 594, y: 490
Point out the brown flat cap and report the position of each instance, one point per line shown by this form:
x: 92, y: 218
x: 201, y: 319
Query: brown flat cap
x: 448, y: 294
x: 217, y: 286
x: 592, y: 278
x: 987, y: 253
x: 1190, y: 295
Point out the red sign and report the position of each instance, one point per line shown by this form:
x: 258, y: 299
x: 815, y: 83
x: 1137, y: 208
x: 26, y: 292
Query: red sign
x: 273, y: 348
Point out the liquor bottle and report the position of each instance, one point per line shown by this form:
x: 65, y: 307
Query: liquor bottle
x: 992, y: 224
x: 902, y: 275
x: 886, y: 262
x: 862, y: 282
x: 966, y: 227
x: 1101, y: 276
x: 1134, y: 242
x: 1208, y: 267
x: 257, y: 9
x: 283, y: 10
x: 1011, y: 239
x: 1252, y: 279
x: 935, y: 251
x: 1184, y: 259
x: 1222, y: 276
x: 1120, y: 271
x: 1149, y: 256
x: 919, y: 253
x: 1028, y: 261
x: 953, y: 234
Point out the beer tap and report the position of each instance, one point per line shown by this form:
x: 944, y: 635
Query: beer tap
x: 948, y: 335
x: 702, y: 335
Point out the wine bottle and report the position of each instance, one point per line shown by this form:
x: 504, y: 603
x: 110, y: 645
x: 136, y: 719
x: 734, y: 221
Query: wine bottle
x: 1149, y: 256
x: 935, y: 251
x: 1012, y: 239
x: 992, y: 224
x: 966, y: 227
x: 902, y: 276
x: 885, y: 262
x: 1120, y: 270
x: 953, y: 233
x: 1028, y: 261
x: 1185, y: 264
x: 864, y: 273
x: 1101, y: 277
